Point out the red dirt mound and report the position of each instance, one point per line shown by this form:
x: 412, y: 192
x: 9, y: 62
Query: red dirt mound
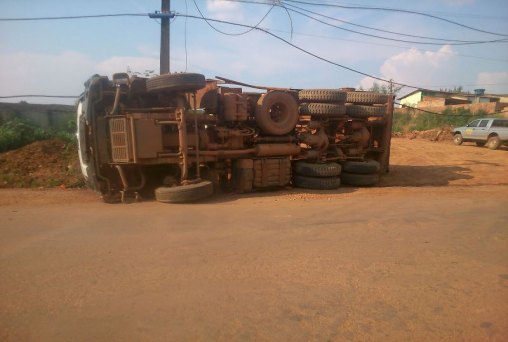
x: 47, y: 163
x: 436, y: 134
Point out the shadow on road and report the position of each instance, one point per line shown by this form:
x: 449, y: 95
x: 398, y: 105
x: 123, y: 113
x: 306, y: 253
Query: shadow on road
x: 432, y: 175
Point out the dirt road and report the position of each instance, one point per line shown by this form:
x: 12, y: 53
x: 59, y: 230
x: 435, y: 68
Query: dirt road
x: 389, y: 263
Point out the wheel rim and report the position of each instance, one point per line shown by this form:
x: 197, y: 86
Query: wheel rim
x: 278, y: 112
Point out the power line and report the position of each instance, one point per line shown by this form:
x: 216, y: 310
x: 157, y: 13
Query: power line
x: 448, y: 41
x: 395, y: 10
x: 504, y: 40
x: 285, y: 6
x: 233, y: 34
x: 381, y: 44
x: 381, y: 30
x: 306, y: 51
x: 76, y: 17
x: 50, y: 96
x: 458, y: 42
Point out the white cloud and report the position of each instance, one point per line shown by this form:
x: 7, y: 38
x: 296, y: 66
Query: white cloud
x: 493, y: 82
x: 122, y: 63
x: 418, y: 68
x: 225, y: 10
x: 64, y: 73
x: 32, y: 73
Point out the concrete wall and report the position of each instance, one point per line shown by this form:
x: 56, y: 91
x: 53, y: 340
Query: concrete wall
x: 46, y: 116
x: 491, y: 107
x: 412, y: 100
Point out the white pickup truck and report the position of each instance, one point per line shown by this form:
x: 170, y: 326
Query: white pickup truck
x: 490, y: 132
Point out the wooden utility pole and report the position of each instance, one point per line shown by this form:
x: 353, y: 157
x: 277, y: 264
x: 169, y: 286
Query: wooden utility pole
x: 164, y: 55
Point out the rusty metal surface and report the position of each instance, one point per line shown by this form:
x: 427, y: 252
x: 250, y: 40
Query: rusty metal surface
x: 228, y: 81
x: 216, y: 130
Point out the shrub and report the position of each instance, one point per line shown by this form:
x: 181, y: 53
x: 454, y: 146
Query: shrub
x: 414, y: 120
x: 17, y: 133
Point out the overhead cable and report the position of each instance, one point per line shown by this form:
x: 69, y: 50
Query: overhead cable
x: 305, y: 51
x: 251, y: 28
x: 504, y: 40
x: 386, y: 9
x: 76, y: 17
x: 381, y: 30
x: 50, y: 96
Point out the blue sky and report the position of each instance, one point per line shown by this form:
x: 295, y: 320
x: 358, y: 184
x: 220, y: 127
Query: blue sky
x: 56, y: 57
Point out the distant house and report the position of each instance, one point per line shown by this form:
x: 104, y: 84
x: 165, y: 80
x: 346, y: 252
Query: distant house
x: 440, y: 100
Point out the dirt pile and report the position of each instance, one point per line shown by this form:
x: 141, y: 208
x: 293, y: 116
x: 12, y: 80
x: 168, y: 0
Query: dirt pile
x: 436, y: 134
x: 47, y: 163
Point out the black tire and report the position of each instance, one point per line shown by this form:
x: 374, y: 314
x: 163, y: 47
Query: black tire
x: 323, y: 109
x: 316, y: 183
x: 277, y: 113
x: 494, y: 142
x: 357, y: 111
x: 365, y: 167
x: 317, y: 170
x: 360, y: 180
x: 458, y: 139
x: 176, y: 82
x: 184, y: 193
x: 322, y: 95
x: 480, y: 143
x: 365, y: 97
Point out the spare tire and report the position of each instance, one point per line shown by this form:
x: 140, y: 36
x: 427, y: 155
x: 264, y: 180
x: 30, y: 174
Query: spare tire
x: 277, y: 113
x: 356, y: 111
x: 317, y: 170
x: 362, y: 167
x: 323, y: 183
x: 323, y: 109
x: 365, y: 97
x: 360, y: 180
x: 322, y: 95
x: 176, y: 82
x: 184, y: 193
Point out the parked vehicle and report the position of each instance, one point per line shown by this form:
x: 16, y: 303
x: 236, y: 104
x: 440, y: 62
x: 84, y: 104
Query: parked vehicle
x: 181, y: 137
x: 492, y: 132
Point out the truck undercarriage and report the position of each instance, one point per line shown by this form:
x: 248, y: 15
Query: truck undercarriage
x: 181, y: 137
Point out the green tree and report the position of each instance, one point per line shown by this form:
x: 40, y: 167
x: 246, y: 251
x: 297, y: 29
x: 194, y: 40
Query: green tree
x: 385, y: 88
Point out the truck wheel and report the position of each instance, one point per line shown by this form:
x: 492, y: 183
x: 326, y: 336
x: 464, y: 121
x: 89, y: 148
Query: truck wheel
x: 184, y: 193
x: 361, y: 167
x: 328, y: 183
x: 480, y: 143
x: 457, y: 139
x: 323, y: 109
x: 277, y: 113
x: 360, y: 180
x: 176, y: 82
x: 357, y: 111
x: 322, y: 95
x: 317, y: 170
x: 364, y: 97
x: 494, y: 142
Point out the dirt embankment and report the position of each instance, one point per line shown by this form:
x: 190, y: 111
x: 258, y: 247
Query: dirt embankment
x: 419, y: 158
x: 436, y: 134
x: 48, y: 163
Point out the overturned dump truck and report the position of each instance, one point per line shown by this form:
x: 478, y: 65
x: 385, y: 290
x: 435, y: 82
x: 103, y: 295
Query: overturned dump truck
x: 180, y: 137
